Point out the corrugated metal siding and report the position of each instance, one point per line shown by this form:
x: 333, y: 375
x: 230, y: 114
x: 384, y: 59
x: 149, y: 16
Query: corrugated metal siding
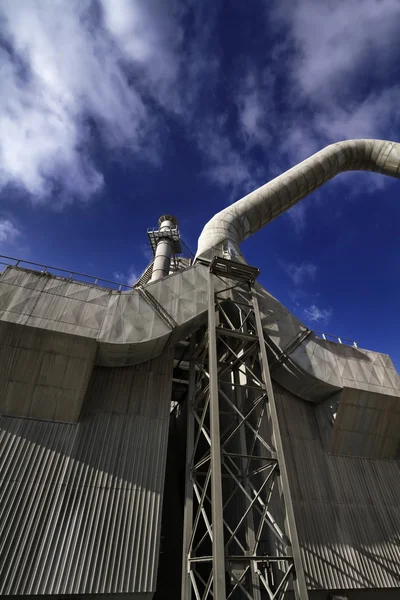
x: 347, y: 509
x: 80, y: 505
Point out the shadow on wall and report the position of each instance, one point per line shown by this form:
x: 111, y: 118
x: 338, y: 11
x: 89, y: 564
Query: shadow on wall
x: 347, y: 508
x: 94, y: 488
x: 124, y: 412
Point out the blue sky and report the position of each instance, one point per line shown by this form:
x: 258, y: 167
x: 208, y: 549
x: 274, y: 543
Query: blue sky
x: 113, y: 112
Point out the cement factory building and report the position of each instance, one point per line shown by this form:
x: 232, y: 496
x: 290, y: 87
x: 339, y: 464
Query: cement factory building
x: 189, y: 438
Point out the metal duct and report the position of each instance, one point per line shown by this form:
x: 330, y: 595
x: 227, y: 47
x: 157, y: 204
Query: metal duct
x: 227, y: 229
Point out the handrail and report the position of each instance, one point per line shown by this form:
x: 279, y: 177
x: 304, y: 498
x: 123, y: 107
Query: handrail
x: 340, y: 340
x: 71, y: 273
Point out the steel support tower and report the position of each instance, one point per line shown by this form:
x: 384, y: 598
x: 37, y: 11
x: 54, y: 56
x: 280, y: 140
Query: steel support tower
x: 240, y: 538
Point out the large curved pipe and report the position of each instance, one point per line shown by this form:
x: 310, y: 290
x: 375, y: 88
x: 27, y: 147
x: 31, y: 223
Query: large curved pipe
x: 228, y: 228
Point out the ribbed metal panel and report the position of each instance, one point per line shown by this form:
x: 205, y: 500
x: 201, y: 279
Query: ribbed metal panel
x: 347, y: 508
x: 80, y: 504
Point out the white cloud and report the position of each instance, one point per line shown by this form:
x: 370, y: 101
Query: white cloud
x: 334, y: 40
x: 335, y: 48
x: 227, y: 167
x: 8, y: 232
x: 147, y: 252
x: 74, y: 71
x: 251, y: 114
x: 369, y: 118
x: 255, y: 102
x: 129, y: 278
x: 299, y: 273
x: 311, y: 90
x: 315, y: 314
x: 338, y: 57
x: 65, y: 68
x: 297, y: 215
x: 149, y: 35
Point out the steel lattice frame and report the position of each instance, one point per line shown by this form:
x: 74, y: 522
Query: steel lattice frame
x: 240, y: 538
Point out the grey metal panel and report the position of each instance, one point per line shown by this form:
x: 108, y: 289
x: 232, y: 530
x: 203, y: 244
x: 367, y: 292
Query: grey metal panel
x: 23, y: 278
x: 347, y: 509
x: 48, y: 302
x: 317, y: 368
x: 80, y: 504
x: 366, y: 424
x: 183, y: 295
x: 43, y: 375
x: 135, y: 326
x: 69, y: 310
x: 130, y: 319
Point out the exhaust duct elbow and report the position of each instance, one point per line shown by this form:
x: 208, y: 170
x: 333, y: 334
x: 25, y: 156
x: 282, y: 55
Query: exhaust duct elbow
x: 224, y: 233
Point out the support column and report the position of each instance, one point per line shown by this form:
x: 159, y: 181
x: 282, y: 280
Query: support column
x: 186, y: 590
x: 300, y: 582
x: 216, y: 478
x: 240, y: 532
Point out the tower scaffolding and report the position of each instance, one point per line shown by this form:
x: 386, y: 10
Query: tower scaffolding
x: 240, y: 538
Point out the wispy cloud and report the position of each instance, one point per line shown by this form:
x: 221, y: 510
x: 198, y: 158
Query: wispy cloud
x: 148, y: 34
x: 75, y: 70
x: 297, y: 215
x: 256, y: 105
x: 128, y: 278
x: 332, y: 46
x: 300, y: 275
x: 147, y: 252
x: 9, y: 233
x: 301, y: 272
x: 322, y: 80
x: 334, y: 41
x: 226, y: 163
x: 317, y: 315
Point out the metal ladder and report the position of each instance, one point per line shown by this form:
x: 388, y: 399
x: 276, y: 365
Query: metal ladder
x: 240, y: 539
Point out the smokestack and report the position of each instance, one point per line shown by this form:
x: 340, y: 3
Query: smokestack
x: 164, y: 240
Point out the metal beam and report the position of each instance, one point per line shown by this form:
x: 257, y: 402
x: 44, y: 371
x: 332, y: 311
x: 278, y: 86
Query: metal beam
x: 186, y: 592
x: 235, y: 538
x: 216, y: 479
x: 300, y: 581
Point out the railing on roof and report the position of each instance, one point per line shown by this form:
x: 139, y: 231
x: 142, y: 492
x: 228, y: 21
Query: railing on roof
x: 336, y: 338
x: 72, y: 275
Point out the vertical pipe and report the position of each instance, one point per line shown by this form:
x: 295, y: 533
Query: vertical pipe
x: 219, y: 589
x: 165, y: 247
